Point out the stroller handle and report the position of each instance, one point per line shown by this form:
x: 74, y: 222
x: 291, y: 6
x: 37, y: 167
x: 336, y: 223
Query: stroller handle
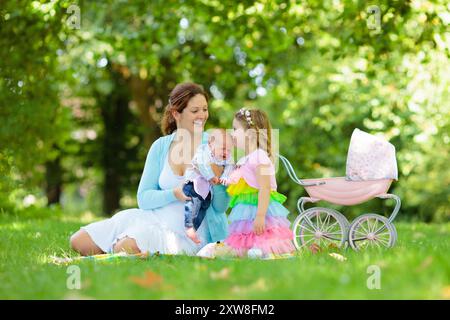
x: 293, y: 176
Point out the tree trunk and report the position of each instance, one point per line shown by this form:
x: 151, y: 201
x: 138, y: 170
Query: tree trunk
x: 114, y: 113
x: 150, y: 101
x: 53, y: 177
x: 150, y: 98
x: 140, y: 93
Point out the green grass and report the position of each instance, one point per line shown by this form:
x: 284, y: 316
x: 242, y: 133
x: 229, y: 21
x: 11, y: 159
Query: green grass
x: 417, y: 268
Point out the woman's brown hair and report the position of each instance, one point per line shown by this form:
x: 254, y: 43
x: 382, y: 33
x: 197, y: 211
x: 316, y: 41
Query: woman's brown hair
x: 259, y: 121
x: 178, y: 100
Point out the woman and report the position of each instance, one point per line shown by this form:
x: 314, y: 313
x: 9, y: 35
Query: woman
x: 158, y: 224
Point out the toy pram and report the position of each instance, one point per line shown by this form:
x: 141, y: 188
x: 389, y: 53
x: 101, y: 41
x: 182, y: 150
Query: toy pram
x: 371, y: 168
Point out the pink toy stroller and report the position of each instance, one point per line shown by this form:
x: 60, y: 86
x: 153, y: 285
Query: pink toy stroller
x: 371, y: 168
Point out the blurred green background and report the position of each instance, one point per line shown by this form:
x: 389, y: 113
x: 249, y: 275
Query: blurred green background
x: 83, y: 85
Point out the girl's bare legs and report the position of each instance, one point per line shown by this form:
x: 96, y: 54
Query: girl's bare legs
x: 81, y: 242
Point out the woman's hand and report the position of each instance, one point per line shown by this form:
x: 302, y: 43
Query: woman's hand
x: 259, y: 224
x: 179, y: 194
x: 214, y: 180
x: 218, y: 170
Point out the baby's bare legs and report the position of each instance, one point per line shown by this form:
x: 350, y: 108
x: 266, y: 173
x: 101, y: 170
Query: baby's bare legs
x: 192, y: 235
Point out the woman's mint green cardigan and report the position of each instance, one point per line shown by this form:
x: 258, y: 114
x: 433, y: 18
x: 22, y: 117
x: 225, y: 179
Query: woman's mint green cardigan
x: 150, y: 196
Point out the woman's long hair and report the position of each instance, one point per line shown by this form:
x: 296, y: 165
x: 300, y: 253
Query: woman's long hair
x: 178, y: 100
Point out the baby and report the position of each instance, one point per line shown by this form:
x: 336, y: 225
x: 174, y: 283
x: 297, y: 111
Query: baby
x: 204, y: 172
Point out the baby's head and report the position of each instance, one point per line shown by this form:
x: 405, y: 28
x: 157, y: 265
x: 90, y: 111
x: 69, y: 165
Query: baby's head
x: 220, y: 143
x: 252, y: 126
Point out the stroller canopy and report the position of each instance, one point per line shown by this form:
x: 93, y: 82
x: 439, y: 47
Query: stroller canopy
x: 370, y: 158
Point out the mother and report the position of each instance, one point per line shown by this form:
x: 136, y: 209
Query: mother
x: 158, y: 223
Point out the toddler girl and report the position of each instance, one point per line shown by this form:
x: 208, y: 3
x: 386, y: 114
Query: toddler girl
x: 258, y: 218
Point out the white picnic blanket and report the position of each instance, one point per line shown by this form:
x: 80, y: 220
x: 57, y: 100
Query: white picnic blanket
x: 370, y: 158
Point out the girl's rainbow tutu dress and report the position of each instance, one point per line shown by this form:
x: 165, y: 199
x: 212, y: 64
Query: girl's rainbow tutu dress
x: 243, y: 190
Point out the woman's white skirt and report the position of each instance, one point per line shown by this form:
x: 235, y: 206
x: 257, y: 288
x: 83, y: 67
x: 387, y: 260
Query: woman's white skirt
x: 159, y: 230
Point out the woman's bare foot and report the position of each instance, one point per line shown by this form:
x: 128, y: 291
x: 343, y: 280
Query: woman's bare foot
x: 192, y: 235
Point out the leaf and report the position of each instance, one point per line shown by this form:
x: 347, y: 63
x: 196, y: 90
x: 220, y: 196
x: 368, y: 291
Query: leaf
x: 258, y: 285
x: 201, y: 267
x: 333, y: 246
x: 338, y: 256
x: 418, y: 235
x: 425, y: 264
x: 315, y: 248
x: 220, y: 275
x: 446, y: 292
x: 149, y: 280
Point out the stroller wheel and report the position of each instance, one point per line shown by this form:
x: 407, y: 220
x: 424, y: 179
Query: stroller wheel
x: 372, y: 231
x: 322, y: 227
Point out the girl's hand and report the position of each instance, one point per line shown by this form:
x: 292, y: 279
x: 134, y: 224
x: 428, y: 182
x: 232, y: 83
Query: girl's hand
x: 179, y: 194
x: 259, y: 224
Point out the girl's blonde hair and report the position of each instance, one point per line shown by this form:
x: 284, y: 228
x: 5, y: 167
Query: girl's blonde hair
x: 259, y: 121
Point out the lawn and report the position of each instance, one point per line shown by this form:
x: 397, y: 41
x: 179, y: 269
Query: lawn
x: 417, y: 268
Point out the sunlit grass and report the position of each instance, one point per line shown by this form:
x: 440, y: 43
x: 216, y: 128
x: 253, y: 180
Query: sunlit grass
x: 417, y: 268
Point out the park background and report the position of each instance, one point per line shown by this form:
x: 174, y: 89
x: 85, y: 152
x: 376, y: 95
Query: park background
x: 83, y: 85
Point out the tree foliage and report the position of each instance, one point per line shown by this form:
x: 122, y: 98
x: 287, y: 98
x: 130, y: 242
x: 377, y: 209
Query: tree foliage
x: 319, y: 68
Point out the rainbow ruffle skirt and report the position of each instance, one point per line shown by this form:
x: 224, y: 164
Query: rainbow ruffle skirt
x: 277, y: 237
